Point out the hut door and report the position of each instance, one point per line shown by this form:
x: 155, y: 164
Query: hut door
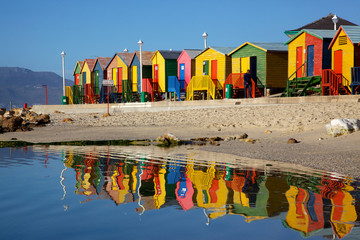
x: 119, y: 79
x: 244, y: 64
x: 253, y: 68
x: 206, y: 68
x: 299, y: 59
x: 338, y: 56
x: 156, y: 78
x: 134, y: 79
x: 214, y: 69
x: 182, y: 71
x: 96, y: 84
x: 76, y: 79
x: 83, y: 83
x: 310, y: 61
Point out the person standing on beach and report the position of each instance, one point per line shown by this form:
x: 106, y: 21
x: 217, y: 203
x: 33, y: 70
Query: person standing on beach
x: 247, y: 84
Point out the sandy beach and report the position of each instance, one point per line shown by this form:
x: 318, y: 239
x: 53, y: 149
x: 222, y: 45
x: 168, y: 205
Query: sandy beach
x: 269, y: 125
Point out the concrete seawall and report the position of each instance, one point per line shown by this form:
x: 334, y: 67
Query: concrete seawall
x: 188, y: 105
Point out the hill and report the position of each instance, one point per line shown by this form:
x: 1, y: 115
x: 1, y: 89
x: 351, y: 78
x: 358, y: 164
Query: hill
x: 20, y: 85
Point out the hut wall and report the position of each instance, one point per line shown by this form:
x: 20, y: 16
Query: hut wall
x: 347, y: 58
x: 210, y: 55
x: 244, y: 55
x: 298, y: 42
x: 276, y: 70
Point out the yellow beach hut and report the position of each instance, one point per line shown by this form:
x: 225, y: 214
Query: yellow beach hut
x: 164, y: 64
x: 212, y: 66
x: 87, y: 80
x: 345, y: 54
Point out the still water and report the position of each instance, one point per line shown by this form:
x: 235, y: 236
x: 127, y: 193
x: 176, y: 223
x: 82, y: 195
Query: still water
x: 97, y: 192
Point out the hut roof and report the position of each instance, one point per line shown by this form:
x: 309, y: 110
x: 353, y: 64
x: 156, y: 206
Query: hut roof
x: 324, y: 23
x: 90, y: 63
x: 192, y: 52
x: 126, y: 57
x: 170, y: 54
x: 265, y: 46
x: 80, y: 63
x: 146, y: 56
x: 352, y: 32
x: 315, y: 32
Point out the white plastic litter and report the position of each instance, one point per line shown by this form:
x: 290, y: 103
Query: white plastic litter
x: 339, y: 127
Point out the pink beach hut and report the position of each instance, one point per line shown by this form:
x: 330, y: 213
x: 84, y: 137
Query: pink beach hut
x: 186, y: 66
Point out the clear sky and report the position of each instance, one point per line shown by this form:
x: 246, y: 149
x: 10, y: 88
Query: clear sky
x: 34, y: 33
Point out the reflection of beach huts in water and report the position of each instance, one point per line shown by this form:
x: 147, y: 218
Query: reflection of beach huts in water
x: 212, y: 66
x: 345, y: 52
x: 100, y: 74
x: 164, y: 64
x: 186, y: 66
x: 332, y: 207
x: 267, y: 63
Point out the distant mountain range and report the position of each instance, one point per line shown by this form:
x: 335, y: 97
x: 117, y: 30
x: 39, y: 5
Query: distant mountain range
x: 20, y: 85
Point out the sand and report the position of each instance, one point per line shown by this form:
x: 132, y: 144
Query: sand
x: 270, y: 125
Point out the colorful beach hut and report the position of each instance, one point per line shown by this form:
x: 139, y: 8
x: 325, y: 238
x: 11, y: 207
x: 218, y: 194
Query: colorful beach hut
x: 267, y: 63
x: 164, y: 63
x: 77, y: 70
x: 100, y: 73
x: 212, y: 66
x: 186, y: 66
x: 74, y: 93
x: 135, y: 69
x: 118, y: 71
x: 345, y: 52
x: 308, y: 55
x: 87, y: 82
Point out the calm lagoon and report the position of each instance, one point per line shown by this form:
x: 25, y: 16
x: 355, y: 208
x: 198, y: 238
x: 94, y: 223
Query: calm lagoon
x: 100, y: 192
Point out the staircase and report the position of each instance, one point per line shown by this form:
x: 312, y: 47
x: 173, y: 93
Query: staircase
x: 152, y: 88
x: 127, y: 91
x: 237, y: 80
x: 332, y: 83
x: 302, y: 86
x: 114, y: 96
x: 355, y: 80
x: 174, y: 86
x: 203, y: 84
x: 69, y: 94
x: 76, y: 90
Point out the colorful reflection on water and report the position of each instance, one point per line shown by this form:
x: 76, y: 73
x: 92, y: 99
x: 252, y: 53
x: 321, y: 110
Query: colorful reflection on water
x: 310, y: 204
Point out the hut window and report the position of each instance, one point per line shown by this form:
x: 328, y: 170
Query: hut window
x: 342, y: 40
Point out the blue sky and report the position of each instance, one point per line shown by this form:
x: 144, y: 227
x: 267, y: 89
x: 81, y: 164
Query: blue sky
x: 34, y: 33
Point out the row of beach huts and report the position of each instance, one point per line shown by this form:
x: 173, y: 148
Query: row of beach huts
x: 318, y: 58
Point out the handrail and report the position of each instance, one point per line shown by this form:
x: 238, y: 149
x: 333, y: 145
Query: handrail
x: 69, y: 94
x: 199, y: 83
x: 287, y: 82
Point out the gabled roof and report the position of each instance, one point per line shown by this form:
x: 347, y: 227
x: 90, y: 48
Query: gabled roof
x: 321, y: 34
x: 192, y: 52
x: 126, y: 57
x: 265, y: 46
x: 222, y: 50
x: 324, y: 23
x: 90, y: 63
x: 352, y: 32
x: 146, y: 57
x: 80, y: 63
x: 170, y: 54
x: 103, y: 61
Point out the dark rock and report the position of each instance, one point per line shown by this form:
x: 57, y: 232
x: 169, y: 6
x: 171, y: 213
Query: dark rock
x: 12, y: 124
x: 292, y: 140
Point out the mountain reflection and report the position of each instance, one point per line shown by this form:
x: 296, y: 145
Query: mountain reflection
x: 307, y: 204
